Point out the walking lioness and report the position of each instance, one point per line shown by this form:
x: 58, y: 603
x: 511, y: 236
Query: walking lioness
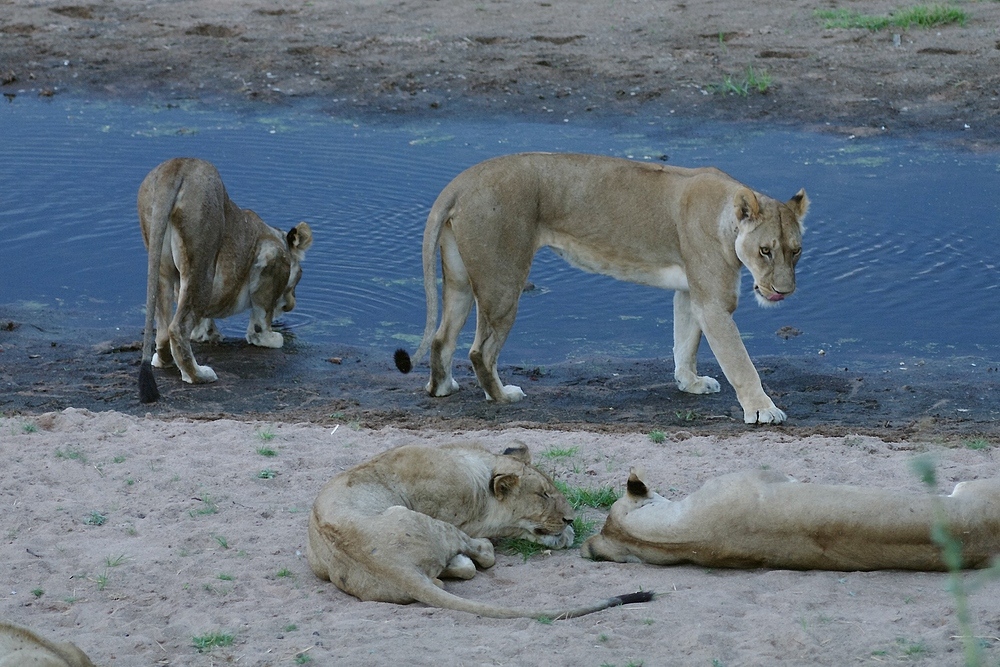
x: 766, y: 519
x: 214, y: 259
x: 688, y: 230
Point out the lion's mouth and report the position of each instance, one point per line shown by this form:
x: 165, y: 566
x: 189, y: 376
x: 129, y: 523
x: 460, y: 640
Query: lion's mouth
x: 773, y: 297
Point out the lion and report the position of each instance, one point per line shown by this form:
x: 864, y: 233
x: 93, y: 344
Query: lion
x: 391, y: 528
x: 688, y: 230
x: 215, y: 260
x: 20, y: 647
x: 767, y: 519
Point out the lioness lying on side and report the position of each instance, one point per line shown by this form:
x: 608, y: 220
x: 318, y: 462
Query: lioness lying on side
x: 215, y: 260
x: 391, y: 528
x: 766, y: 519
x: 20, y: 647
x: 688, y: 230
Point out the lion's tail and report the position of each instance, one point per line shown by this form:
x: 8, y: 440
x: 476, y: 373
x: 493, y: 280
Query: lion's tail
x: 440, y: 212
x: 433, y: 596
x: 162, y: 205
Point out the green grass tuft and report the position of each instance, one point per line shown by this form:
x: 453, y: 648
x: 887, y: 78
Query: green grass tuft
x: 211, y: 640
x: 921, y: 16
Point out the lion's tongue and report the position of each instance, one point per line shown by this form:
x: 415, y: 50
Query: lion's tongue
x: 776, y: 297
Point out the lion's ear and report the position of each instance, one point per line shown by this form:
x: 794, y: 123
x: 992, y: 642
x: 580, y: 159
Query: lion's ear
x: 636, y: 485
x: 299, y: 237
x: 503, y: 484
x: 799, y: 204
x: 519, y: 452
x: 746, y: 204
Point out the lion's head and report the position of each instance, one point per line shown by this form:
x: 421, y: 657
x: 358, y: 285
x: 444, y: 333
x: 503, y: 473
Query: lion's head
x: 534, y: 508
x: 299, y: 238
x: 769, y: 242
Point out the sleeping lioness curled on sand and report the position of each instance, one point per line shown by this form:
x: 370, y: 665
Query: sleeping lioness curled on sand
x: 766, y: 519
x: 391, y: 528
x: 687, y: 230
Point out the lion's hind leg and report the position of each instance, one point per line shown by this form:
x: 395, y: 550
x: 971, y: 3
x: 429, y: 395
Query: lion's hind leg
x: 206, y: 331
x: 456, y: 304
x: 180, y: 341
x: 491, y: 334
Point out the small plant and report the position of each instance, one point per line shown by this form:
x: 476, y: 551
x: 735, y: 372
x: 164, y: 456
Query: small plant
x: 71, y: 454
x: 208, y: 506
x: 302, y: 658
x: 659, y: 437
x: 560, y: 452
x: 118, y: 459
x: 977, y: 443
x: 285, y: 572
x: 266, y: 473
x: 266, y: 451
x: 752, y: 79
x: 599, y: 498
x: 291, y: 627
x: 544, y: 620
x: 521, y: 547
x: 116, y: 561
x: 102, y: 580
x: 686, y: 415
x: 922, y: 16
x: 211, y: 640
x: 265, y: 434
x: 223, y: 542
x: 29, y: 427
x: 37, y: 592
x: 225, y: 577
x: 95, y: 518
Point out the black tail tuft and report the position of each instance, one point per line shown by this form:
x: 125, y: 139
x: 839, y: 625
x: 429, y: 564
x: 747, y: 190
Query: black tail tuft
x: 402, y: 359
x: 635, y: 598
x: 148, y: 393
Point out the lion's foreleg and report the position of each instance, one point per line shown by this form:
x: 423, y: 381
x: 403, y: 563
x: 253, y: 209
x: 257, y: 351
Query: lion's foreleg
x: 687, y: 337
x: 259, y: 330
x: 724, y: 339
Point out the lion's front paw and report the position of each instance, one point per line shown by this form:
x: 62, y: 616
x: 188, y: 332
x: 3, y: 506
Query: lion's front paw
x: 271, y: 339
x: 770, y: 415
x: 509, y: 394
x: 701, y: 384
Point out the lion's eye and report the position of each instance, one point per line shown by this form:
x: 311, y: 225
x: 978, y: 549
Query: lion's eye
x: 765, y: 251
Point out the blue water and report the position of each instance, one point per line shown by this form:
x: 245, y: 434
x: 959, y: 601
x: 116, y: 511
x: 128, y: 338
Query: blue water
x: 900, y: 255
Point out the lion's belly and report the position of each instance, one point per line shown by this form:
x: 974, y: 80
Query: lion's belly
x: 633, y: 270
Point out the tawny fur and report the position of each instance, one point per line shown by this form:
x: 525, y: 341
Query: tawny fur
x: 391, y: 528
x: 20, y: 647
x: 766, y: 519
x: 688, y: 230
x: 215, y: 260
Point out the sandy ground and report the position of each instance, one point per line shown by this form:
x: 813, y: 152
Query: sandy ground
x: 195, y: 541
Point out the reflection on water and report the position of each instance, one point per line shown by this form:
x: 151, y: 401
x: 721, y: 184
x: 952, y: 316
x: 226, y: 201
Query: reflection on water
x: 900, y: 252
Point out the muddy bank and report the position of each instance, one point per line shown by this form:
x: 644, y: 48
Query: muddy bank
x: 49, y: 365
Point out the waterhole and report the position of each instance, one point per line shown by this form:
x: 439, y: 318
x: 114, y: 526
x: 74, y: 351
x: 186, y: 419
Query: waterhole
x: 900, y: 253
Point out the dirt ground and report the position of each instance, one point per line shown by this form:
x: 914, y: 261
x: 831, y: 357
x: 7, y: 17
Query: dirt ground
x: 139, y: 588
x: 527, y: 57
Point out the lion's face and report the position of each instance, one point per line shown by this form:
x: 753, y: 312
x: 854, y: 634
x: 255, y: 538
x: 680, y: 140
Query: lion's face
x: 299, y: 238
x: 537, y: 510
x: 769, y: 243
